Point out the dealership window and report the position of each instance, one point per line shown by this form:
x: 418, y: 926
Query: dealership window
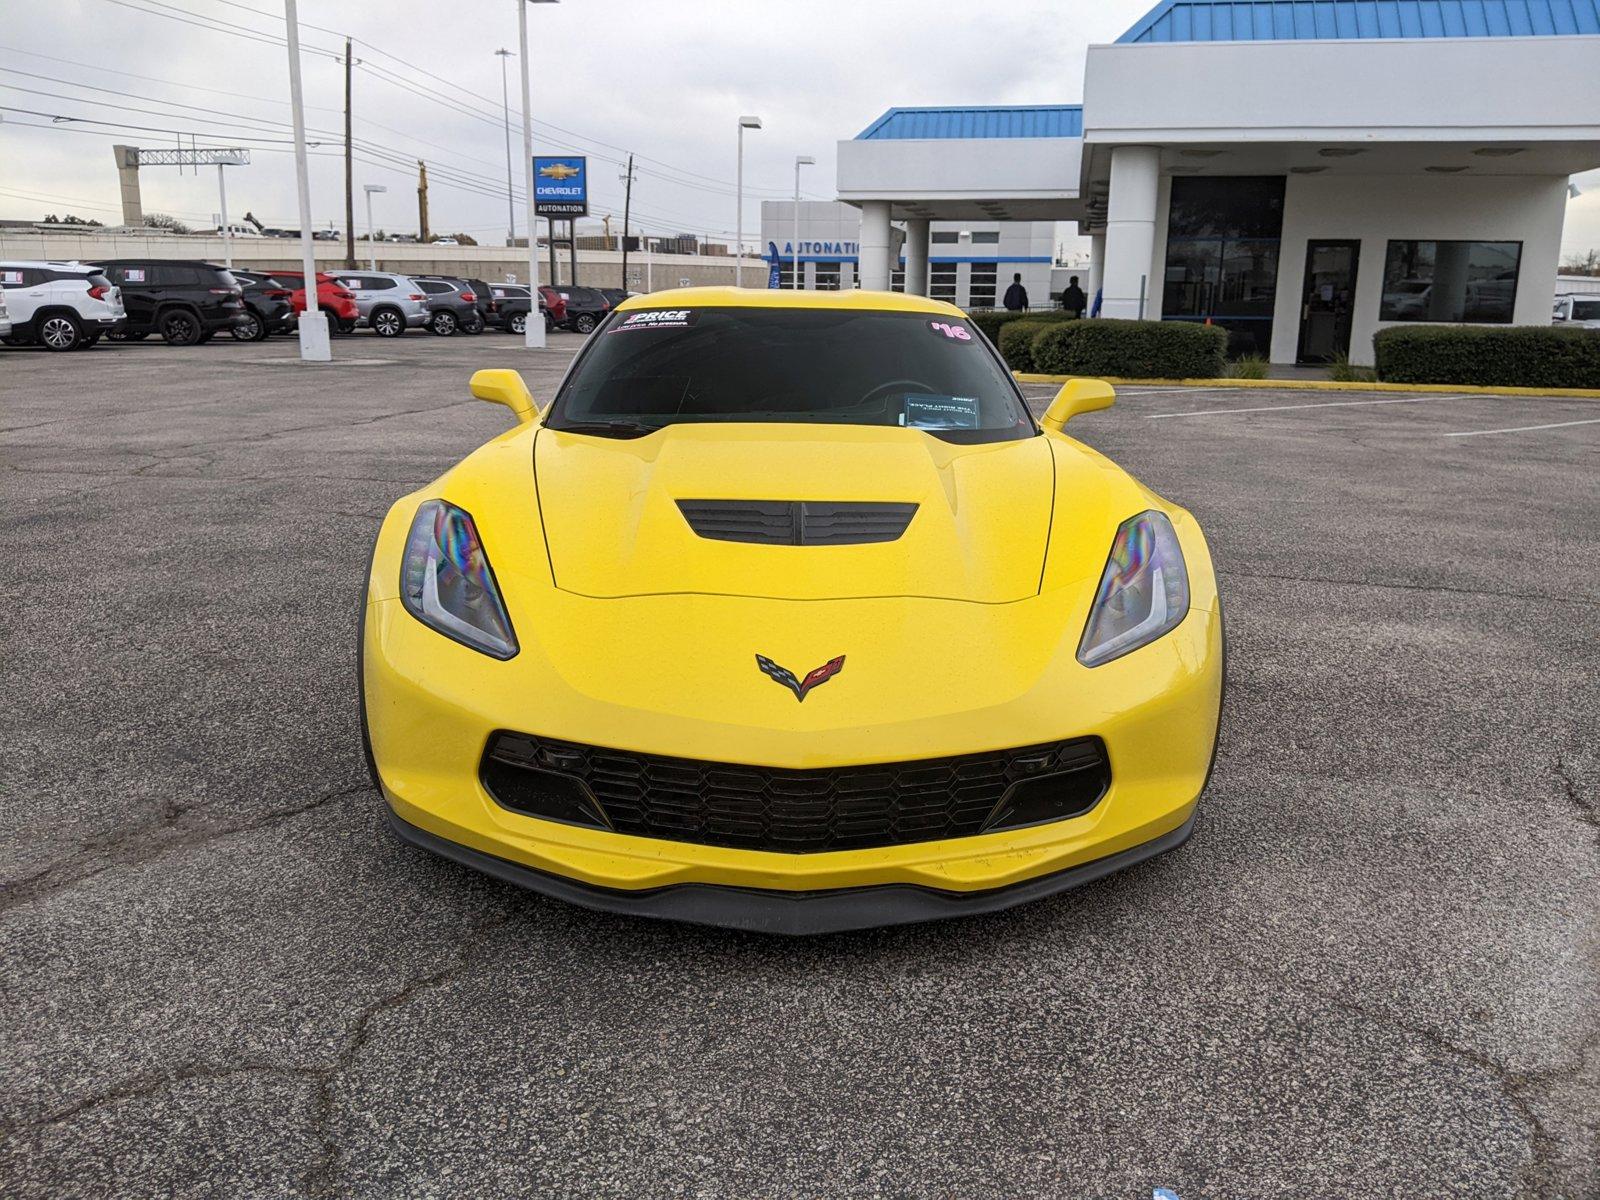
x: 942, y: 281
x: 985, y: 237
x: 786, y: 273
x: 980, y: 288
x: 944, y: 237
x: 1450, y: 281
x: 897, y: 280
x: 1222, y: 255
x: 827, y: 277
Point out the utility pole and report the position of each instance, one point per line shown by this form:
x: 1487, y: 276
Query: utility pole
x: 349, y: 186
x: 422, y: 200
x: 627, y: 202
x: 505, y: 109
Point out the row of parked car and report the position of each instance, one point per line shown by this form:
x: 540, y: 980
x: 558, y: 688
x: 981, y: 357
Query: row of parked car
x: 65, y: 305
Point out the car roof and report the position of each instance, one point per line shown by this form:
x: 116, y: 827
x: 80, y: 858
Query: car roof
x: 50, y: 265
x: 731, y: 297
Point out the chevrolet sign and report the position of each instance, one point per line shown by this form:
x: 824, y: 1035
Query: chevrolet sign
x: 561, y: 187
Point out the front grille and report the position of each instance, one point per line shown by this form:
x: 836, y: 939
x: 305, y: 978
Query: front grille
x: 797, y: 522
x: 796, y: 811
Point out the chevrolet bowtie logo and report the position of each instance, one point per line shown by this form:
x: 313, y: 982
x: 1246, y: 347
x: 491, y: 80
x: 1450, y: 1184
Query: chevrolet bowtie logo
x: 799, y: 686
x: 558, y: 171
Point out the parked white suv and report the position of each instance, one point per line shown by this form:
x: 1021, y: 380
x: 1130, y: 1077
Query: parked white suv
x: 5, y: 316
x: 1579, y: 309
x: 59, y: 305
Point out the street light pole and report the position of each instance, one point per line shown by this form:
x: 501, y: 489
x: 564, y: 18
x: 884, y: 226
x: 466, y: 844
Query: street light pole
x: 533, y: 328
x: 738, y: 221
x: 372, y: 246
x: 801, y: 160
x: 505, y: 108
x: 227, y: 234
x: 314, y: 346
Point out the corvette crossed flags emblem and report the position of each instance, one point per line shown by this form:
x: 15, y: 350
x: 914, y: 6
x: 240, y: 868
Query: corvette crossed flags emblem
x: 799, y: 686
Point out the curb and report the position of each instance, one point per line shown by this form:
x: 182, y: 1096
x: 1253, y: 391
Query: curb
x: 1325, y: 385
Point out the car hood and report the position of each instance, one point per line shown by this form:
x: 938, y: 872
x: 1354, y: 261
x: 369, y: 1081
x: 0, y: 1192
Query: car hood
x: 613, y: 526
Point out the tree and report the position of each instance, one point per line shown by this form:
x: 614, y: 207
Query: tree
x: 163, y: 221
x: 1587, y: 263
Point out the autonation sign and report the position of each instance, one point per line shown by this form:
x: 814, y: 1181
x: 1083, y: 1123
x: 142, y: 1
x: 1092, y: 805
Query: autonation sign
x: 561, y: 187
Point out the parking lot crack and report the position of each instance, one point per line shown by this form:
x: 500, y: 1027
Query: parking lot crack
x: 322, y: 1177
x: 1411, y: 587
x: 140, y: 843
x: 1586, y: 805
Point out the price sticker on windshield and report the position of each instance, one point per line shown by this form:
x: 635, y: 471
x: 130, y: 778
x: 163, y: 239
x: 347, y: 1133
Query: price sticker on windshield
x: 950, y: 331
x: 658, y: 318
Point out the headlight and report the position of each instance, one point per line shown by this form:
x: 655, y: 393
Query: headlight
x: 1143, y: 594
x: 447, y: 584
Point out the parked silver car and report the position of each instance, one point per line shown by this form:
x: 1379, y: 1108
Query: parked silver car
x: 389, y: 304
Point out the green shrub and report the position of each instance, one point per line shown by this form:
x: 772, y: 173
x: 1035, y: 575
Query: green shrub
x: 1016, y: 342
x: 1131, y: 349
x: 1248, y: 366
x: 992, y: 320
x: 1513, y: 356
x: 1343, y: 370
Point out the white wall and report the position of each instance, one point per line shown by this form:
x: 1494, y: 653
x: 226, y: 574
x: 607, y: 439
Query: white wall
x: 960, y: 169
x: 1376, y: 208
x: 1441, y: 89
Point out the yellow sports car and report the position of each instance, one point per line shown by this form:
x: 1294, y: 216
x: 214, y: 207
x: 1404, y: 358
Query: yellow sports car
x: 784, y: 614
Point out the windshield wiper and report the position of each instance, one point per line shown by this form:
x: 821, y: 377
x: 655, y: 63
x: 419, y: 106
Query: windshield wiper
x: 607, y: 428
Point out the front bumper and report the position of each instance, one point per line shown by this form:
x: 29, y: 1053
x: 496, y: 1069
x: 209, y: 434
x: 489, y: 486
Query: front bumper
x: 762, y: 910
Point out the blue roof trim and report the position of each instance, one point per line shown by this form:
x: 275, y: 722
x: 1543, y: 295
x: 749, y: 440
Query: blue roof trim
x: 977, y: 121
x: 1314, y: 20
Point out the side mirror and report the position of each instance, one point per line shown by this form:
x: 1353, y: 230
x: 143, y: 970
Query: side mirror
x: 501, y: 386
x: 1076, y: 397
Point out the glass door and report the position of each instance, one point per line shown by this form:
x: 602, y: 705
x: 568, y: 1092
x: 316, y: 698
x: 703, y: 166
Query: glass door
x: 1328, y: 301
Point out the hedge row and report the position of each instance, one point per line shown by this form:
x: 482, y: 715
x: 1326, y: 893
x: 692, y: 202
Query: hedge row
x: 993, y: 320
x: 1104, y: 346
x: 1516, y: 356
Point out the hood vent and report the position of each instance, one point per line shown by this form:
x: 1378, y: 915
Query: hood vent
x: 797, y: 522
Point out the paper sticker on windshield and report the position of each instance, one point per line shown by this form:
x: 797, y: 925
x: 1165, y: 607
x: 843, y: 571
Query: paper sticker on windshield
x: 133, y: 275
x: 940, y: 412
x: 10, y: 276
x: 657, y: 318
x: 951, y: 331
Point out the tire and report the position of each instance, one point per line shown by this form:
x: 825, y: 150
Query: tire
x: 473, y: 323
x: 516, y: 323
x: 254, y: 329
x: 584, y: 322
x: 180, y: 327
x: 205, y: 337
x: 549, y: 321
x: 59, y: 331
x: 387, y: 322
x: 91, y: 339
x: 443, y: 323
x: 344, y: 325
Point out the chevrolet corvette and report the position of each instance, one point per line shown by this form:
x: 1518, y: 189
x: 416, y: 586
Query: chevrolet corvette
x: 785, y: 614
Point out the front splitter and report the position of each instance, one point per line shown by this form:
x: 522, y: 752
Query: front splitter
x: 796, y: 914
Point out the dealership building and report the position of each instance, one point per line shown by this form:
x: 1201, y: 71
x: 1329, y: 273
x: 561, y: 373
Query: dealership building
x: 1301, y: 172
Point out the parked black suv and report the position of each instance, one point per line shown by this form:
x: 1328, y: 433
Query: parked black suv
x: 185, y: 302
x: 267, y: 306
x: 511, y: 308
x: 452, y: 304
x: 586, y: 307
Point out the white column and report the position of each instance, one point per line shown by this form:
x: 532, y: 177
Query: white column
x: 533, y: 337
x: 313, y: 323
x: 1131, y: 232
x: 1097, y: 265
x: 917, y: 257
x: 875, y: 243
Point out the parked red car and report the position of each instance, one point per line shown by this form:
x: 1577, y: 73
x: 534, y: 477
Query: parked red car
x: 555, y: 306
x: 333, y: 298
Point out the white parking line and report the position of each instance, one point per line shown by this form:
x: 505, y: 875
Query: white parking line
x: 1524, y: 428
x: 1220, y: 412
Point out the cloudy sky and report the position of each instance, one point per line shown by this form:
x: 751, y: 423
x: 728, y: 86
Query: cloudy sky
x: 664, y: 79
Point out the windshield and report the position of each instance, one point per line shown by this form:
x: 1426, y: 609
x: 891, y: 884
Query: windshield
x: 653, y: 367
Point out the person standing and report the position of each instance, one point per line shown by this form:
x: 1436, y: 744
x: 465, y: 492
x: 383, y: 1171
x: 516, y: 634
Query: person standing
x: 1074, y: 300
x: 1016, y: 298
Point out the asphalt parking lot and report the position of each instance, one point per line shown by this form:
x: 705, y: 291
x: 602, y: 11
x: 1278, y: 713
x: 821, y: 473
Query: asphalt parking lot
x: 1372, y: 972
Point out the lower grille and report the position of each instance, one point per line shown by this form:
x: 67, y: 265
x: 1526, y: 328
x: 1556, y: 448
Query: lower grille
x: 795, y: 811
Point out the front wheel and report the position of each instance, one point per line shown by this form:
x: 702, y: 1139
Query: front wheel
x: 584, y: 323
x: 60, y: 332
x: 386, y: 322
x: 443, y: 323
x: 517, y: 323
x: 180, y: 328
